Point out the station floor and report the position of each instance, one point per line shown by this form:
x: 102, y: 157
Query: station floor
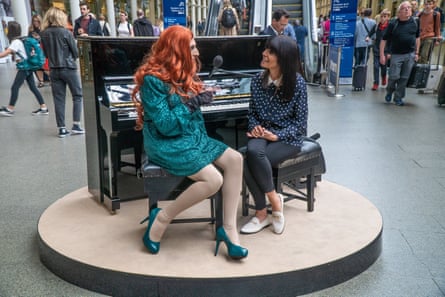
x: 394, y: 156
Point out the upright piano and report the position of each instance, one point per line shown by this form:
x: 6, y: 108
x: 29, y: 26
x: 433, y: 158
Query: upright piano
x: 113, y: 147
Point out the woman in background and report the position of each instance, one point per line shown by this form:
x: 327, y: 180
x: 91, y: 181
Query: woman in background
x: 60, y: 48
x: 17, y: 50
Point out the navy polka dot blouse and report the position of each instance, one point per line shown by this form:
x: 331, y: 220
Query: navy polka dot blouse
x: 286, y: 119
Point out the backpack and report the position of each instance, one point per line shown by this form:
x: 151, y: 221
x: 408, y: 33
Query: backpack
x: 228, y: 19
x: 35, y: 59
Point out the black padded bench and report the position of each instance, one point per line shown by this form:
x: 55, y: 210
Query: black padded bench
x: 306, y: 168
x: 160, y: 185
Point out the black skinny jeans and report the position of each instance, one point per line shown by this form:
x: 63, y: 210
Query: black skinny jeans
x: 261, y: 157
x: 20, y: 78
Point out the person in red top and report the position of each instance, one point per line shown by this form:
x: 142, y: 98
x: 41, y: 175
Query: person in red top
x: 325, y: 29
x: 429, y: 22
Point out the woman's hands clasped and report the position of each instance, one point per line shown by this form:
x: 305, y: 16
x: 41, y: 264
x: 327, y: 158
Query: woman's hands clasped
x: 261, y: 132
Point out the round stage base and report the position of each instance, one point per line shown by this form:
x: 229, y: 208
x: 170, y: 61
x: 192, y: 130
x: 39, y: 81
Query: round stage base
x: 81, y: 242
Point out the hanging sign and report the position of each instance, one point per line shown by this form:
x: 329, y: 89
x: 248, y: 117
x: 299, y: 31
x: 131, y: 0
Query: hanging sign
x: 174, y: 12
x: 343, y: 20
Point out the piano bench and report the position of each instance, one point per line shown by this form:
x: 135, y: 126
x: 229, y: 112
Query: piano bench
x: 160, y: 185
x: 306, y: 168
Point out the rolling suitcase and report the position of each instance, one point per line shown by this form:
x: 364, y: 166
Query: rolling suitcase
x: 435, y: 73
x: 426, y: 76
x: 419, y: 76
x: 441, y: 91
x: 359, y: 75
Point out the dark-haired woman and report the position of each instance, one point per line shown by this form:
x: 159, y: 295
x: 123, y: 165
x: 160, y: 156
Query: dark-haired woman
x: 277, y: 123
x: 175, y: 138
x: 17, y: 50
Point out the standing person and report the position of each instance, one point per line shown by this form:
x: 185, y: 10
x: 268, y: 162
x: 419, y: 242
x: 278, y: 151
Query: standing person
x: 175, y: 137
x: 104, y: 26
x: 442, y: 16
x: 277, y: 123
x: 363, y: 37
x: 228, y: 19
x: 189, y: 23
x: 17, y: 50
x: 301, y: 34
x: 34, y: 31
x: 429, y: 23
x: 280, y: 19
x: 415, y: 8
x: 200, y: 27
x: 124, y: 28
x: 325, y: 31
x: 86, y: 24
x: 289, y: 31
x: 378, y: 30
x: 404, y: 52
x: 142, y: 26
x: 60, y: 47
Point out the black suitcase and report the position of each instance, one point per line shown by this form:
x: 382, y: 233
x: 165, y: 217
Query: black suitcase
x: 420, y: 73
x: 359, y: 75
x: 419, y: 76
x: 441, y: 91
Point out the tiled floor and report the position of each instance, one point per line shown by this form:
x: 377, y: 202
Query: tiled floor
x: 394, y: 156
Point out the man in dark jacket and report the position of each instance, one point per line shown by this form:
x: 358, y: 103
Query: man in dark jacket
x: 280, y: 19
x: 86, y: 24
x: 142, y: 26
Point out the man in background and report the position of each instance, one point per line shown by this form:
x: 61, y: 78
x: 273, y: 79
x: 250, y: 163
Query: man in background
x: 301, y: 34
x: 280, y: 19
x: 142, y: 26
x: 86, y: 24
x: 403, y: 32
x: 429, y: 23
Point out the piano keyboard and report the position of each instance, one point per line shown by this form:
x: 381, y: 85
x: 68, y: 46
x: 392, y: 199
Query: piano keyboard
x: 225, y: 105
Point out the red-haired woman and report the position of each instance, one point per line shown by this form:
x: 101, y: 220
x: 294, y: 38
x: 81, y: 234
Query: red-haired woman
x: 168, y: 95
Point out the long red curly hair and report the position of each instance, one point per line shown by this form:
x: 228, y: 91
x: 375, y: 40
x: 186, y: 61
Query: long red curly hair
x: 170, y: 60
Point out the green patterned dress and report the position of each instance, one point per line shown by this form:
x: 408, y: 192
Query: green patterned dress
x: 175, y: 138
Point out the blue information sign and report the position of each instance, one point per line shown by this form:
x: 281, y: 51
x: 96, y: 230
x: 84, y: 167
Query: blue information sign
x: 174, y: 12
x: 343, y: 20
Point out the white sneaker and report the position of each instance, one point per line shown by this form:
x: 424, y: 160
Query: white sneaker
x: 278, y: 218
x: 254, y: 225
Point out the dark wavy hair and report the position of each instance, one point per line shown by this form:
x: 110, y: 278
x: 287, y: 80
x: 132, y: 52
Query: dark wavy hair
x: 14, y: 30
x: 170, y: 59
x: 288, y: 58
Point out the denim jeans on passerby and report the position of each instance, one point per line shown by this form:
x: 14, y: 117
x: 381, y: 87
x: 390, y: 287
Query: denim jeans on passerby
x: 378, y: 69
x: 60, y: 78
x: 20, y: 78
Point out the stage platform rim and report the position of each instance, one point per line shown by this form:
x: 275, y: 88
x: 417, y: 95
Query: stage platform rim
x: 288, y: 283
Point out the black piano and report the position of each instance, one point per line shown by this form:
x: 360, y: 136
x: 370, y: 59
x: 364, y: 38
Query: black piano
x: 114, y: 148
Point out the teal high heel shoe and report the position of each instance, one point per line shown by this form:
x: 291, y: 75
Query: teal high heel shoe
x: 153, y: 247
x: 235, y: 251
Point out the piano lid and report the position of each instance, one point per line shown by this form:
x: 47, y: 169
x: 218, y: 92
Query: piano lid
x: 121, y: 56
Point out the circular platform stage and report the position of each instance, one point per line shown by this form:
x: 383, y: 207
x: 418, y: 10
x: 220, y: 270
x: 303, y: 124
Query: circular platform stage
x: 81, y: 242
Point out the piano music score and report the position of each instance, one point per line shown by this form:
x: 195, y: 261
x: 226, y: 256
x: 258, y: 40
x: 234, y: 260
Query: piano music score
x: 120, y: 95
x: 229, y: 88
